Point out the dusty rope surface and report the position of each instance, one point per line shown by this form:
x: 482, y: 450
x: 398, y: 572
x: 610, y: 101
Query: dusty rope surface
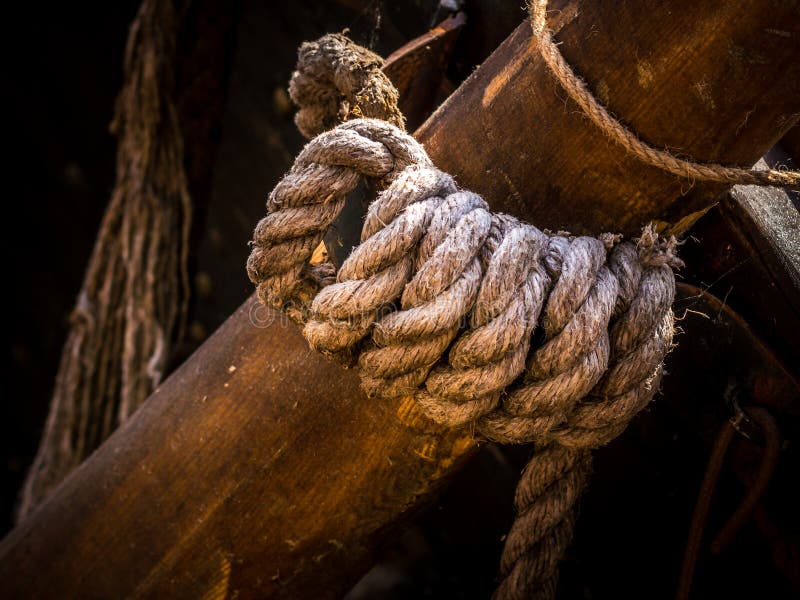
x: 133, y: 299
x: 580, y: 93
x: 487, y: 321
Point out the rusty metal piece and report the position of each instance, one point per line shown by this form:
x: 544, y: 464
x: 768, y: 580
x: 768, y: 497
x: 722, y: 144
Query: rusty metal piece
x: 744, y: 424
x: 772, y: 448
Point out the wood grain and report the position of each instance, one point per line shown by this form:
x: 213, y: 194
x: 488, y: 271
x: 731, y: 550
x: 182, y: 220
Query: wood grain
x: 258, y: 468
x: 770, y: 220
x: 244, y: 473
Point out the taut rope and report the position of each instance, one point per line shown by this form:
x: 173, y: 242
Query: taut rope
x: 486, y: 320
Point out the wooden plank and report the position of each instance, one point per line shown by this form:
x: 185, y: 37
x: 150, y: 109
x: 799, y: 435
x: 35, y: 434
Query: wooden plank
x: 417, y: 69
x: 771, y: 222
x: 258, y: 468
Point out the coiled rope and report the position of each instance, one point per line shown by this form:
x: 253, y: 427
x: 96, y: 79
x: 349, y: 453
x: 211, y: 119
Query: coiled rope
x: 488, y: 321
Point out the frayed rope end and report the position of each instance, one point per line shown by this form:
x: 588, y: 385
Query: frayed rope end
x: 656, y: 251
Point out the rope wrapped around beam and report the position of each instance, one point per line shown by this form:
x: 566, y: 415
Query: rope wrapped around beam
x: 523, y: 335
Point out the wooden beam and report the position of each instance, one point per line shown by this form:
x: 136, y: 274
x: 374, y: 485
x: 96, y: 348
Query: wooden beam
x: 258, y: 468
x: 224, y: 481
x: 771, y: 222
x: 717, y: 81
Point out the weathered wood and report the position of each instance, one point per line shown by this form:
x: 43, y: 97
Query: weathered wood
x: 223, y: 480
x: 771, y: 222
x: 258, y: 468
x: 717, y: 81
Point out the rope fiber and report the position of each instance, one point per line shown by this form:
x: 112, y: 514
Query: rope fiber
x: 133, y: 302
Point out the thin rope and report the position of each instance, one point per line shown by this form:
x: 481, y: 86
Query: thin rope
x: 661, y: 159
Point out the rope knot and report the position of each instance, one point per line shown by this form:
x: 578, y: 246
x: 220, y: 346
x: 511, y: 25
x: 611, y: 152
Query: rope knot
x: 525, y: 335
x: 337, y: 80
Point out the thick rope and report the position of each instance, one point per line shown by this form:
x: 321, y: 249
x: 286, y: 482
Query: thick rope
x: 486, y: 320
x: 661, y: 159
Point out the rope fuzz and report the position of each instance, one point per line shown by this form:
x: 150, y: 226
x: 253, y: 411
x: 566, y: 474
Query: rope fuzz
x: 487, y: 321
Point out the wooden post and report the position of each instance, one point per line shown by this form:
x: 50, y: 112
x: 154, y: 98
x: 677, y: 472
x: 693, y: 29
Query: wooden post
x: 258, y: 468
